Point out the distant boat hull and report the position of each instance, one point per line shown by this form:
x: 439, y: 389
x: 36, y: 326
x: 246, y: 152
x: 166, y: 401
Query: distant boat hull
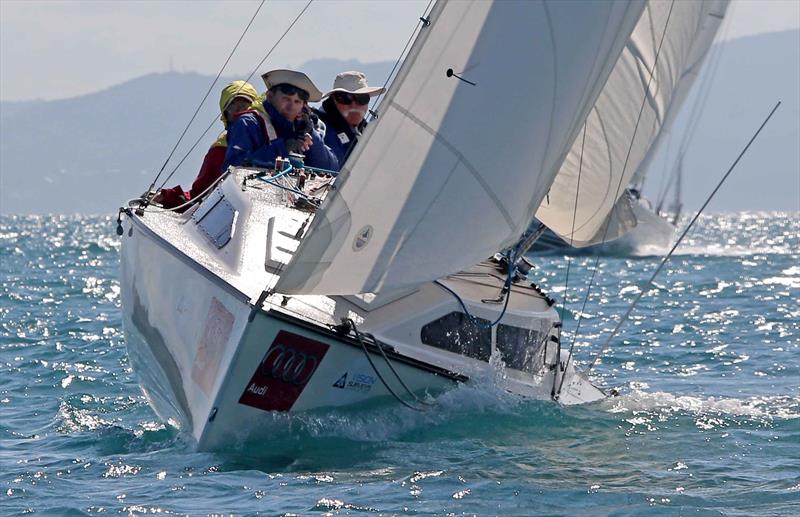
x: 653, y: 235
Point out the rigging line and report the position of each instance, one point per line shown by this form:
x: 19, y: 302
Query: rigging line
x: 698, y: 106
x: 422, y: 22
x: 199, y: 139
x: 397, y: 375
x: 569, y: 259
x: 645, y: 287
x: 208, y: 92
x: 352, y: 325
x: 624, y: 167
x: 512, y: 256
x: 574, y: 217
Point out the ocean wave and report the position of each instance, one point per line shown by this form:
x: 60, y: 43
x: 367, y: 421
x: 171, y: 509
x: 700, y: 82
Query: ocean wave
x: 760, y: 407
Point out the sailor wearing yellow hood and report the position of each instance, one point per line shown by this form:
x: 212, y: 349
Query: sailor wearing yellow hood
x: 236, y: 98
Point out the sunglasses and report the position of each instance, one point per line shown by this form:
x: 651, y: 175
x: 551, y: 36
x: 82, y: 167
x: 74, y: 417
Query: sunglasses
x: 349, y: 98
x: 288, y: 89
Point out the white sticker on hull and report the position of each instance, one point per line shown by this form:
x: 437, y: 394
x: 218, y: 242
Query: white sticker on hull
x: 360, y: 382
x: 219, y: 324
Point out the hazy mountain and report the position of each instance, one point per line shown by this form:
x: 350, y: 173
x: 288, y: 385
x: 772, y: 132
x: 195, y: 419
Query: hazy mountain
x: 753, y: 74
x: 89, y: 154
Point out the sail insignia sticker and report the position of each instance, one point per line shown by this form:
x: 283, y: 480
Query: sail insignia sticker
x: 362, y: 238
x: 342, y: 382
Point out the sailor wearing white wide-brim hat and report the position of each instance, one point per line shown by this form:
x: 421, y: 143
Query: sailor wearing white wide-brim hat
x: 299, y: 80
x: 354, y: 82
x: 344, y: 111
x: 284, y: 127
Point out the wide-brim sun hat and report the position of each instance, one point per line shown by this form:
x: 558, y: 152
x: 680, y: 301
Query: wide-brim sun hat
x: 296, y: 79
x: 354, y: 82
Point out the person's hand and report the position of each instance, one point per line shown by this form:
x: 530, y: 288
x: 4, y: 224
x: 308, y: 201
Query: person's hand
x: 300, y: 144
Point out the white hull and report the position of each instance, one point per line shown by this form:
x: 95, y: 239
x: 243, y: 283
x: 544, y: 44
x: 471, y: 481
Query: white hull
x: 215, y: 359
x: 653, y: 235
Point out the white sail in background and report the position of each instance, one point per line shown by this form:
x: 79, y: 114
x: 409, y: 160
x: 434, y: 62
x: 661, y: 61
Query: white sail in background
x: 451, y: 172
x: 710, y: 24
x: 607, y: 160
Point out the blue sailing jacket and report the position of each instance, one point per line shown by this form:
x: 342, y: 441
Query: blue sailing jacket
x: 339, y: 136
x: 249, y: 143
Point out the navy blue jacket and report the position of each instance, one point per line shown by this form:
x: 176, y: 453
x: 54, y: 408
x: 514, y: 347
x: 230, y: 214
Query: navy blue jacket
x: 248, y: 143
x: 339, y: 136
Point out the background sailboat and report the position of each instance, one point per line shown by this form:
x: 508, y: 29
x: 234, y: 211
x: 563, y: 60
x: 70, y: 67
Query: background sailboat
x: 608, y: 164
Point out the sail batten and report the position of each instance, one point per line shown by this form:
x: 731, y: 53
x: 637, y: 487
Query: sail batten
x: 452, y: 170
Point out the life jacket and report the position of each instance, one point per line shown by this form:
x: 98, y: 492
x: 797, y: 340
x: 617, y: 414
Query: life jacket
x: 263, y: 121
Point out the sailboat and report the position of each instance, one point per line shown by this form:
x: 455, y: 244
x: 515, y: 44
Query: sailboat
x: 407, y: 280
x: 602, y: 163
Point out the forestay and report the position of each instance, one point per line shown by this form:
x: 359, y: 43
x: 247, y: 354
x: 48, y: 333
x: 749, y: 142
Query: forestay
x: 453, y: 171
x: 611, y: 154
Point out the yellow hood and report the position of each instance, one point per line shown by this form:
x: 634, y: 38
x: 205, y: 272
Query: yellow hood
x: 233, y: 90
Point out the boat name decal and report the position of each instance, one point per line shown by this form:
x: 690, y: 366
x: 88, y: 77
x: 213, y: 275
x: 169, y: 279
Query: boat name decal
x: 360, y: 382
x: 283, y: 372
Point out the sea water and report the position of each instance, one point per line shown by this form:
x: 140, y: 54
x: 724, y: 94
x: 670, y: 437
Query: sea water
x: 707, y: 421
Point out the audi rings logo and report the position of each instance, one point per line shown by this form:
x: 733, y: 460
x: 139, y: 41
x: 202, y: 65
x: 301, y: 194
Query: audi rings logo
x: 288, y: 365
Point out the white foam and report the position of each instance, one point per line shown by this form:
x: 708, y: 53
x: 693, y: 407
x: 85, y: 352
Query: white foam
x: 768, y: 407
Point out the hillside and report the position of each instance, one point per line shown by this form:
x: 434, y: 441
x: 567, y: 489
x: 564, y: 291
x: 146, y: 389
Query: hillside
x: 89, y: 154
x: 753, y: 74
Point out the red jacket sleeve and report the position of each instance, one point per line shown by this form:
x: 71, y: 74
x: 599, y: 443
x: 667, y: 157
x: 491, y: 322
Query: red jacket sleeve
x: 210, y: 171
x: 173, y: 197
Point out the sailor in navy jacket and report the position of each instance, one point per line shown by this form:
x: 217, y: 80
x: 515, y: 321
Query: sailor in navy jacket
x: 340, y: 136
x: 344, y: 112
x: 257, y: 138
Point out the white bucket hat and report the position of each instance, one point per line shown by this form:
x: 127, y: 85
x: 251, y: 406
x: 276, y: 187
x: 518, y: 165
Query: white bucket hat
x: 296, y: 79
x: 354, y: 82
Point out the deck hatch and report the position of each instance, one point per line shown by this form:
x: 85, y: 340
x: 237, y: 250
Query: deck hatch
x: 216, y: 218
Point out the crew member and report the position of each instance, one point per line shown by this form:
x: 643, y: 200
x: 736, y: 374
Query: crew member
x: 344, y: 112
x: 285, y: 126
x: 237, y: 97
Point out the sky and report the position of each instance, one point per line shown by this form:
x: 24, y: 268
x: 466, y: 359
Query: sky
x: 60, y: 49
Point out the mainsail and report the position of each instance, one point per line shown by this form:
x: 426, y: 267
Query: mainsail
x: 469, y: 139
x: 653, y: 76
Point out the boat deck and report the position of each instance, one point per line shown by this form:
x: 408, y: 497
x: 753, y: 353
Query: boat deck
x: 263, y: 236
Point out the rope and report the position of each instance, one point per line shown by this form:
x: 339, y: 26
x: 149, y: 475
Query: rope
x: 555, y: 392
x: 624, y: 166
x: 352, y: 325
x: 199, y: 139
x: 688, y: 227
x: 389, y: 364
x: 512, y: 260
x: 208, y: 92
x: 422, y: 22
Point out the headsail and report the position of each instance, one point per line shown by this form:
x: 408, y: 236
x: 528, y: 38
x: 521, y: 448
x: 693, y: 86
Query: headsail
x: 453, y: 170
x: 607, y: 160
